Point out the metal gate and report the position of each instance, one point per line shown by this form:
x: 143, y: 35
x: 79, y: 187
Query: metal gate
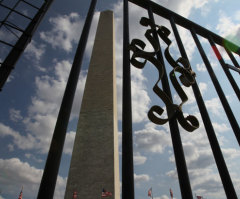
x: 154, y: 34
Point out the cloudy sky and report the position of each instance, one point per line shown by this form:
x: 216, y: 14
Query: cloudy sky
x: 30, y: 101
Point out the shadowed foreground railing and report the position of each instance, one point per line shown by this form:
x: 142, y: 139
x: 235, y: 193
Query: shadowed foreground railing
x: 154, y: 34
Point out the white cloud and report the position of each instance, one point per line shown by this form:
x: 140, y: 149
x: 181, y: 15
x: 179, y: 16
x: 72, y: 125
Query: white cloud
x: 201, y: 67
x: 231, y: 153
x: 237, y: 15
x: 22, y: 142
x: 227, y: 28
x: 34, y: 53
x: 220, y: 127
x: 214, y: 106
x: 42, y: 113
x: 140, y: 98
x: 16, y: 174
x: 188, y: 42
x: 214, y: 63
x: 68, y: 145
x: 152, y: 139
x: 65, y: 31
x: 15, y: 115
x: 139, y: 159
x: 141, y: 178
x: 31, y: 156
x: 34, y: 50
x: 200, y: 3
x: 46, y: 102
x: 202, y: 87
x: 204, y: 182
x: 10, y: 147
x: 50, y: 90
x: 183, y: 7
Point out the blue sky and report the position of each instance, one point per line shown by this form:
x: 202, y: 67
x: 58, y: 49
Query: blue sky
x: 31, y: 97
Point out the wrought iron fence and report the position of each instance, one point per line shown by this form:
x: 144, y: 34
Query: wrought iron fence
x: 18, y: 22
x: 154, y: 34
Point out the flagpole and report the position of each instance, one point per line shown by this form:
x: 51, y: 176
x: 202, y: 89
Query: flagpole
x: 171, y: 193
x: 20, y: 195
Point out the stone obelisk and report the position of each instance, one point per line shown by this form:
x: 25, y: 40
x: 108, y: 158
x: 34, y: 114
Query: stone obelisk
x: 94, y: 163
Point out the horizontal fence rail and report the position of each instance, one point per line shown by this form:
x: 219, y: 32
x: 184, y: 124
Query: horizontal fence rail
x: 153, y: 35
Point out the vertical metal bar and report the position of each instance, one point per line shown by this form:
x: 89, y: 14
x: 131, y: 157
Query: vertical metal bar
x: 127, y: 143
x: 50, y: 173
x: 225, y: 69
x: 21, y: 44
x: 181, y: 165
x: 220, y: 92
x: 216, y: 149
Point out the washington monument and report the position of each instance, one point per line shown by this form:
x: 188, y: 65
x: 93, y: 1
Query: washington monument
x: 95, y: 165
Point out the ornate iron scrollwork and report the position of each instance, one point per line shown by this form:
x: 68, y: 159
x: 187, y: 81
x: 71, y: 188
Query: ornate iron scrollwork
x: 181, y: 65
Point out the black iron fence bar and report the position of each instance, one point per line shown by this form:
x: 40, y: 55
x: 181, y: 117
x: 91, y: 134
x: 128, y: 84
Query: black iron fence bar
x: 31, y: 4
x: 221, y: 94
x: 219, y: 90
x: 232, y: 67
x: 10, y: 61
x: 19, y: 13
x: 181, y: 166
x: 13, y: 26
x: 9, y: 13
x: 234, y: 61
x: 11, y: 31
x: 167, y: 14
x: 127, y: 143
x: 221, y: 165
x: 225, y: 69
x: 50, y: 173
x: 1, y: 41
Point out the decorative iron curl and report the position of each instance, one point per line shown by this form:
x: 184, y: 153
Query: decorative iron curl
x: 181, y: 65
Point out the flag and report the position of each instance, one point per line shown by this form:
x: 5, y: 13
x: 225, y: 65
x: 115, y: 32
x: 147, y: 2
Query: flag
x: 106, y: 193
x: 199, y: 197
x: 74, y: 195
x: 171, y: 193
x: 150, y: 192
x: 20, y: 195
